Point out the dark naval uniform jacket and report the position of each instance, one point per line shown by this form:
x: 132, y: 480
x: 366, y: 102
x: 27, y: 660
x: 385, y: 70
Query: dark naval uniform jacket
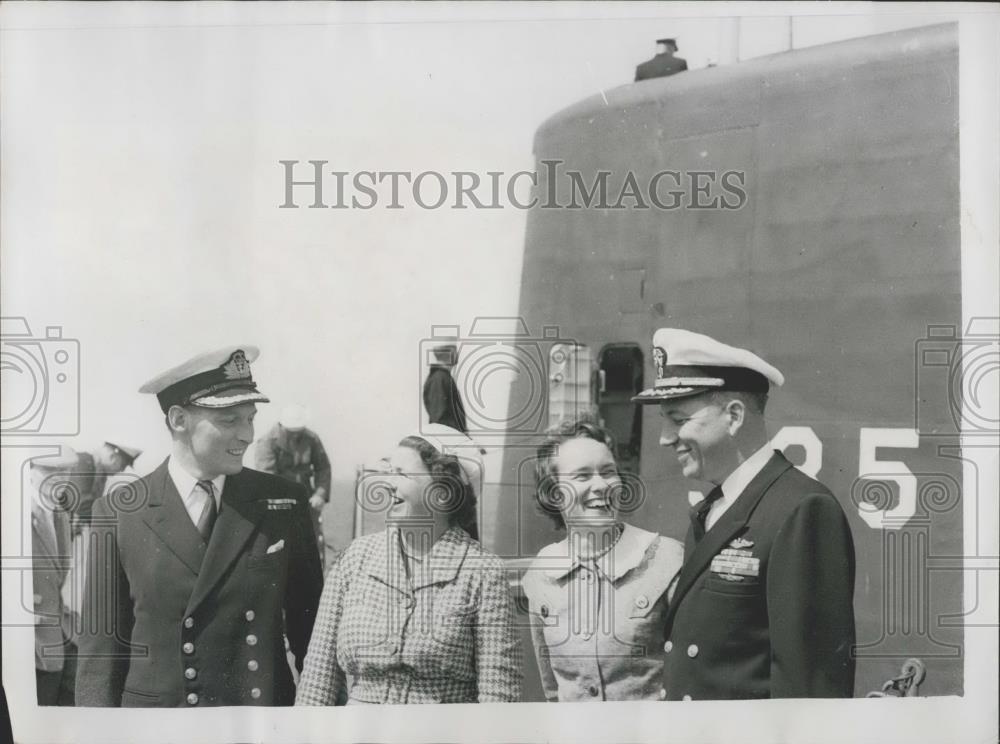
x: 788, y: 630
x: 442, y: 400
x: 170, y: 621
x: 662, y: 65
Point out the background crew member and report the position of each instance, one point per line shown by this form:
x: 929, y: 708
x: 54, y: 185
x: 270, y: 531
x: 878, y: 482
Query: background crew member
x: 95, y: 473
x: 53, y: 490
x: 94, y: 468
x: 663, y: 64
x: 441, y: 397
x: 207, y: 564
x: 763, y: 604
x: 296, y: 453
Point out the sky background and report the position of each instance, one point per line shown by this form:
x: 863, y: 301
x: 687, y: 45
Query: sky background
x: 141, y: 184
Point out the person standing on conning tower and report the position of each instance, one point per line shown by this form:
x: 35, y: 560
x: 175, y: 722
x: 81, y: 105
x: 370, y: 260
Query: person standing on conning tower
x: 663, y: 64
x: 441, y: 397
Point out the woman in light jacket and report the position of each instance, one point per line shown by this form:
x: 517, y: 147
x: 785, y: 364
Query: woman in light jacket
x: 419, y: 612
x: 598, y: 598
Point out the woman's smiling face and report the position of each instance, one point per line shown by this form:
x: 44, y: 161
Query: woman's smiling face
x: 587, y: 481
x: 408, y: 480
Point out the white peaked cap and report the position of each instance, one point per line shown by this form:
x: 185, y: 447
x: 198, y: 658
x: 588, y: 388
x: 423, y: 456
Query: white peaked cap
x: 688, y: 363
x: 215, y: 379
x: 293, y: 416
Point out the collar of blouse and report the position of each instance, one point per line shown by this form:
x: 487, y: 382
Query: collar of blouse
x: 440, y: 565
x: 625, y: 555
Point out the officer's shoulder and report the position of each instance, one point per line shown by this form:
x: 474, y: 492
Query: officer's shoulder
x: 806, y: 492
x: 124, y: 495
x: 793, y: 478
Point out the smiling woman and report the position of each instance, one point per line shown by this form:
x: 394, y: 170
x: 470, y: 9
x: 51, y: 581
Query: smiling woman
x: 597, y: 599
x: 417, y: 613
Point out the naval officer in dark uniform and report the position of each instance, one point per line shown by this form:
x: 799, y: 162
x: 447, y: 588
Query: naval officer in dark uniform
x: 763, y: 604
x: 204, y: 566
x: 663, y: 64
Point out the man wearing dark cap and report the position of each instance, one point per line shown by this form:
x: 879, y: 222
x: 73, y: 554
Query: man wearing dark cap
x: 763, y: 605
x: 203, y: 566
x: 663, y: 64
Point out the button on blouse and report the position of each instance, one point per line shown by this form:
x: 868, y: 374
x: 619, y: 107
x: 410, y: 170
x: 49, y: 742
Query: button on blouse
x: 602, y: 639
x: 446, y: 636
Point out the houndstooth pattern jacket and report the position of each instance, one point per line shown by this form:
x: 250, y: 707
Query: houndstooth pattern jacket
x: 444, y: 635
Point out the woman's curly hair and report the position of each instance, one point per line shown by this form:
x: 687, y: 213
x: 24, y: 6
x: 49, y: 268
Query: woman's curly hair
x: 450, y: 491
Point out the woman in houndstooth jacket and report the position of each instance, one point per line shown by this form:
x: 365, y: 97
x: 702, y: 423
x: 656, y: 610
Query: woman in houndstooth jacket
x: 417, y: 613
x: 597, y: 599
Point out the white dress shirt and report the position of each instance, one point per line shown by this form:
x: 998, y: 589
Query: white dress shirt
x: 193, y: 496
x: 737, y: 481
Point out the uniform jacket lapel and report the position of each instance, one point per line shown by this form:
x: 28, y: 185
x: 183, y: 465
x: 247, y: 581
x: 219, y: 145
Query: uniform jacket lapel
x: 729, y: 525
x: 238, y: 518
x: 169, y: 520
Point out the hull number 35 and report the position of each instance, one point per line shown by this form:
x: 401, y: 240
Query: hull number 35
x: 877, y: 513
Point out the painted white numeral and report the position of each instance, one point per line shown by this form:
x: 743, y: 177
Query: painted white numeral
x: 871, y: 468
x: 807, y: 439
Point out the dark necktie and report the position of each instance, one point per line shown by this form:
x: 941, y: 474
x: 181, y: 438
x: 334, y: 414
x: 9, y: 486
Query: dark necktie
x: 207, y: 519
x: 699, y: 512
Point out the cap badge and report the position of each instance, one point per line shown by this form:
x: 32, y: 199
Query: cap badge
x: 659, y: 361
x: 237, y: 368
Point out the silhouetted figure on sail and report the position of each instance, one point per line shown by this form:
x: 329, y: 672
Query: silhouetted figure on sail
x: 663, y: 64
x: 441, y: 397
